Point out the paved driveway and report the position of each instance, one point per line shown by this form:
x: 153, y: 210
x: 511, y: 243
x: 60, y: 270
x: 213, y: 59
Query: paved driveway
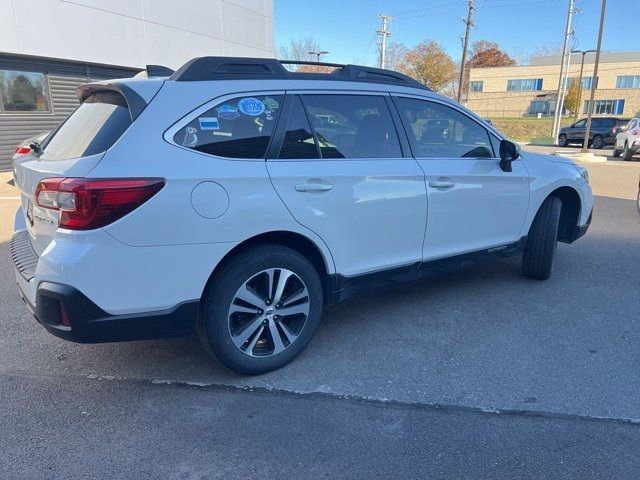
x: 480, y: 339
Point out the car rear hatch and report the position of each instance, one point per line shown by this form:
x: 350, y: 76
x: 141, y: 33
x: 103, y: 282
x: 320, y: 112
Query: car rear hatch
x: 73, y: 150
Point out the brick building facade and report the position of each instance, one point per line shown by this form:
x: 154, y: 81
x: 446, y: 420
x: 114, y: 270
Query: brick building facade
x: 531, y: 89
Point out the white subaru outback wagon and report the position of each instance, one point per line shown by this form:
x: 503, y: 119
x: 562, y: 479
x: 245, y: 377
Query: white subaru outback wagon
x: 235, y: 198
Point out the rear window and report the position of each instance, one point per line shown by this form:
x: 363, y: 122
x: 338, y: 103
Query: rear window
x: 236, y: 128
x: 91, y: 129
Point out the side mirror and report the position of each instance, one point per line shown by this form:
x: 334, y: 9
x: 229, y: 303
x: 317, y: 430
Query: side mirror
x: 509, y: 152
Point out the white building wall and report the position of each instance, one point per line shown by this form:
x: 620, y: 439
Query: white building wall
x: 135, y: 33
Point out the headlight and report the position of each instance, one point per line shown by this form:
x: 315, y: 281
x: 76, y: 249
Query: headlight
x: 583, y: 171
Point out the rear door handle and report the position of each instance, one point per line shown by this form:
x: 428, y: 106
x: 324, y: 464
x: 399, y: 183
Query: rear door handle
x: 442, y: 183
x: 313, y: 187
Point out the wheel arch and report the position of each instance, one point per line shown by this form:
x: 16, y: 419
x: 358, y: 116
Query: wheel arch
x: 570, y: 213
x: 293, y: 240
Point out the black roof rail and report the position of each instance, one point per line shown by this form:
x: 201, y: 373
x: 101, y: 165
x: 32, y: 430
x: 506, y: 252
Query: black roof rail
x: 241, y: 68
x: 159, y: 71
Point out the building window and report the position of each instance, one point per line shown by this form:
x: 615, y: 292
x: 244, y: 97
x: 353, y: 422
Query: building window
x: 628, y: 81
x: 539, y: 106
x: 524, y: 85
x: 611, y: 107
x: 586, y: 82
x: 23, y: 92
x: 476, y: 86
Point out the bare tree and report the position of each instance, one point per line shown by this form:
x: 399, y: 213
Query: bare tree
x: 548, y: 49
x: 395, y: 57
x: 299, y: 50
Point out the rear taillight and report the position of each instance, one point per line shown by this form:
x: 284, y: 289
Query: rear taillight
x: 22, y: 150
x: 86, y: 203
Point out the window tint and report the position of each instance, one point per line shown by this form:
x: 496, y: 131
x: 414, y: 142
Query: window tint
x: 298, y: 140
x: 23, y: 92
x: 580, y: 123
x: 237, y: 128
x: 353, y: 126
x: 438, y: 131
x: 91, y: 129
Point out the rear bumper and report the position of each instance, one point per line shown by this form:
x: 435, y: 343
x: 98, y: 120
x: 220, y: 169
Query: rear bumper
x: 69, y: 314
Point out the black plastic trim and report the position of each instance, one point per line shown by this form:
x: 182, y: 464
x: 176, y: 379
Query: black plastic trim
x: 345, y: 287
x: 90, y: 324
x: 134, y: 101
x: 159, y: 71
x: 226, y: 68
x: 579, y: 230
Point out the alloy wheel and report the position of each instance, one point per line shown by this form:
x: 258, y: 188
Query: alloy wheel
x: 268, y: 312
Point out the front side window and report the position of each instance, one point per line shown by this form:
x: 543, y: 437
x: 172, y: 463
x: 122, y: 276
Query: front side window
x: 438, y: 131
x: 94, y: 127
x: 353, y: 126
x: 236, y: 128
x: 23, y: 92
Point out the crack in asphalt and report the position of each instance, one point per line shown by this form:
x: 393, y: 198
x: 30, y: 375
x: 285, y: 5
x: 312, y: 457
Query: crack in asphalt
x: 223, y: 387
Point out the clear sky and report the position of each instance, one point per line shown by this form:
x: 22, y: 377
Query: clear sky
x: 346, y: 27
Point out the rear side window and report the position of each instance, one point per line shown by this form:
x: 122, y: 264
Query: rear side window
x: 236, y: 128
x: 93, y: 128
x: 438, y: 131
x: 298, y: 140
x: 353, y: 126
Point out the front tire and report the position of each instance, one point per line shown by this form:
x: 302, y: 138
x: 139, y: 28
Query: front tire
x: 537, y: 261
x: 562, y: 140
x: 261, y: 309
x: 627, y: 154
x: 616, y: 152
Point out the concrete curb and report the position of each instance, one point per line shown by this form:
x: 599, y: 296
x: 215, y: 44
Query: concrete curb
x: 581, y: 156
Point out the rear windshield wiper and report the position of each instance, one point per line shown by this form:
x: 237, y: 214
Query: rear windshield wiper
x: 35, y: 146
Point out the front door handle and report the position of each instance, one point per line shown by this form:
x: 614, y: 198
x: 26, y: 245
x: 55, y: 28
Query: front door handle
x: 442, y: 183
x: 313, y: 187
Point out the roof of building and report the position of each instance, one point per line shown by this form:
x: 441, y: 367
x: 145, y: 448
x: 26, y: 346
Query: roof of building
x: 605, y: 57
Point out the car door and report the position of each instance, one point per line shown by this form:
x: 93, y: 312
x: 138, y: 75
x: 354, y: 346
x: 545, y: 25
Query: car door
x: 340, y: 169
x: 625, y: 134
x: 473, y: 203
x: 576, y: 131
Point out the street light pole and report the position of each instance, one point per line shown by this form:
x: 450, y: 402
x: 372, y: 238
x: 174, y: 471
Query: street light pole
x: 575, y: 114
x: 318, y: 54
x: 585, y: 144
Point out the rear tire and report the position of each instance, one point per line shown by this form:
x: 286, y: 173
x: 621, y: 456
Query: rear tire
x: 261, y: 334
x: 562, y: 140
x: 597, y: 142
x: 626, y: 154
x: 616, y: 152
x: 539, y: 253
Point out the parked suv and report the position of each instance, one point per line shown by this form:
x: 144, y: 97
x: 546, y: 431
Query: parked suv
x: 627, y: 142
x: 237, y: 199
x: 602, y: 132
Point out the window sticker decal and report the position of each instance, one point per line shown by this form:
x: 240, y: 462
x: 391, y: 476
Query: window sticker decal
x: 227, y: 112
x: 190, y: 137
x: 271, y: 103
x: 209, y: 123
x: 251, y: 106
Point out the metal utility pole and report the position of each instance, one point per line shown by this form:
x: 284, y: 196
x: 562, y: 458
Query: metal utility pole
x: 324, y: 52
x: 585, y: 145
x: 575, y: 115
x: 463, y: 63
x: 561, y: 80
x: 384, y: 33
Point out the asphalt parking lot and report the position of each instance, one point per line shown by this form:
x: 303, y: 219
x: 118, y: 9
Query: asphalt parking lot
x: 477, y: 374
